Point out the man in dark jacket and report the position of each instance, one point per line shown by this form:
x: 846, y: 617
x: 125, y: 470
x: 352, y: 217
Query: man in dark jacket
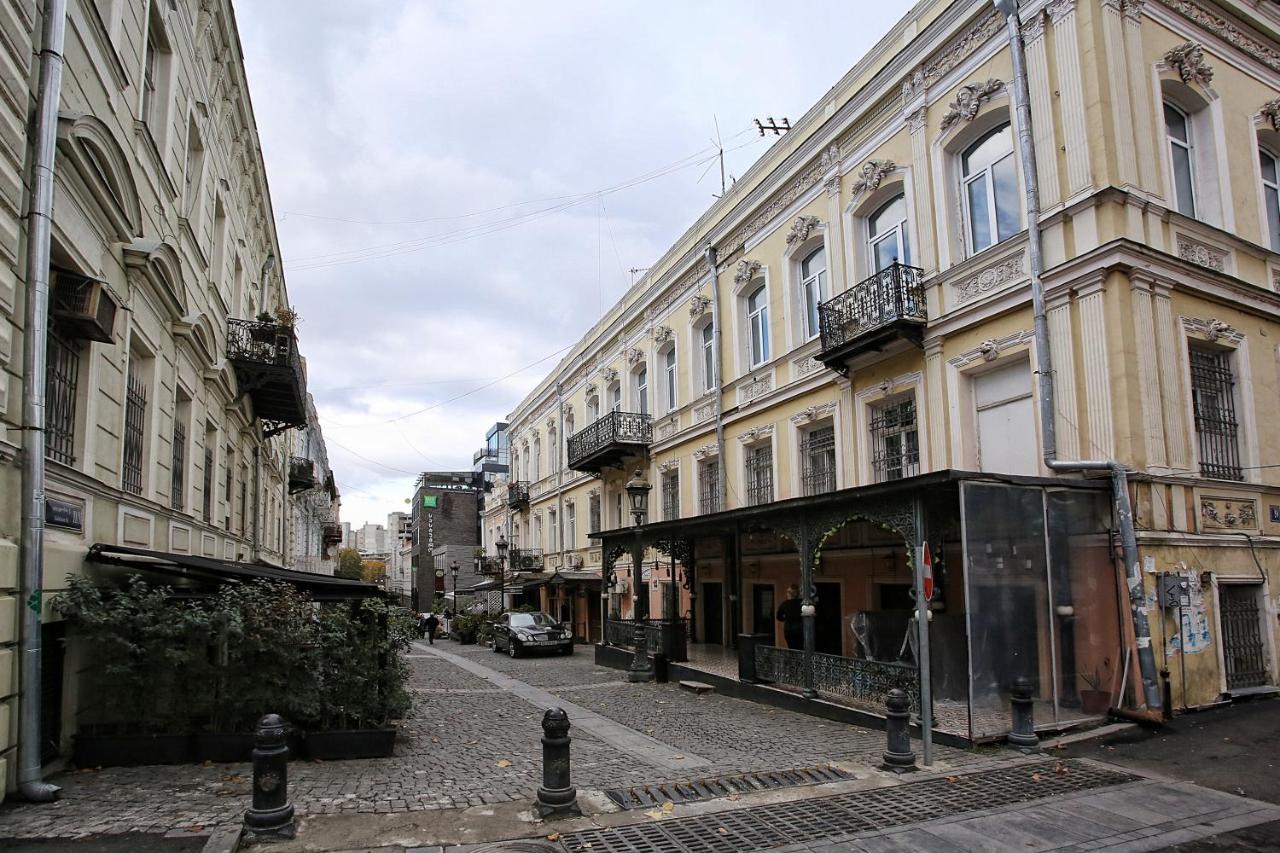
x: 432, y: 624
x: 792, y: 619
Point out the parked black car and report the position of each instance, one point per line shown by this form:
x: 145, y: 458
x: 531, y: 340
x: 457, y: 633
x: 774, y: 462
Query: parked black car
x: 518, y: 633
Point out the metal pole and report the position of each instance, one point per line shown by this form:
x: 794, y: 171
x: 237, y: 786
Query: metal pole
x: 722, y: 486
x: 34, y: 359
x: 922, y: 628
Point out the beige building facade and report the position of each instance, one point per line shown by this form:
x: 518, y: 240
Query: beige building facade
x: 869, y: 323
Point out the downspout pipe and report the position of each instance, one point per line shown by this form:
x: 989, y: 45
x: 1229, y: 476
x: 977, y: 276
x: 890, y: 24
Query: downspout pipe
x: 1044, y: 371
x: 31, y: 785
x: 722, y: 480
x: 560, y: 459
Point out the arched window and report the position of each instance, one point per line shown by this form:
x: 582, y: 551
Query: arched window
x: 1178, y: 131
x: 553, y: 452
x: 593, y: 409
x: 615, y: 397
x: 537, y: 459
x: 1271, y: 195
x: 670, y: 377
x: 887, y: 232
x: 758, y: 321
x: 706, y: 338
x: 813, y: 288
x: 990, y: 189
x: 642, y: 390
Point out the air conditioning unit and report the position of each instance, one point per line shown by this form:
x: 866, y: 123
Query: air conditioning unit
x: 528, y: 561
x: 85, y: 307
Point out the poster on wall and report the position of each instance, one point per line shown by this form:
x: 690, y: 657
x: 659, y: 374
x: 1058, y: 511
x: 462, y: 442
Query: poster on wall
x: 1193, y: 632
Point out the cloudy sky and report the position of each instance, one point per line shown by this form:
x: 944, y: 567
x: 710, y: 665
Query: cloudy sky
x: 461, y: 187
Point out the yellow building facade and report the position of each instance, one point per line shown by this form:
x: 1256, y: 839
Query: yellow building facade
x: 869, y: 322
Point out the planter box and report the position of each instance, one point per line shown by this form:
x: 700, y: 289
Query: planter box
x: 1095, y: 701
x: 131, y: 750
x: 353, y: 743
x: 228, y: 748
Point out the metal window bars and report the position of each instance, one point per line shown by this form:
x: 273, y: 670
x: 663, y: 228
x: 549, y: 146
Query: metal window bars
x: 135, y: 410
x: 894, y: 293
x: 62, y: 374
x: 818, y: 461
x: 1213, y: 396
x: 593, y: 513
x: 760, y: 474
x: 670, y: 496
x: 179, y: 467
x: 709, y: 487
x: 207, y: 507
x: 895, y: 441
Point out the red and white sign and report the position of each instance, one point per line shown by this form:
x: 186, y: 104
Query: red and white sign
x: 926, y: 567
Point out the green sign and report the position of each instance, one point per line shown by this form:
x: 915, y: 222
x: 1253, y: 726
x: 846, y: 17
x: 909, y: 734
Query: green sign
x: 430, y: 501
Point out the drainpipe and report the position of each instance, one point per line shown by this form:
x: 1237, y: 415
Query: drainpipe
x: 267, y: 266
x: 34, y: 358
x: 255, y: 544
x: 1044, y: 371
x: 723, y: 479
x: 560, y: 461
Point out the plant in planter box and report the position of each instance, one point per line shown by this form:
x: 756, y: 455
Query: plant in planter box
x: 1096, y: 699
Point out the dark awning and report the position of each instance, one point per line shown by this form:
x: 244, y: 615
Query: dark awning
x: 206, y: 571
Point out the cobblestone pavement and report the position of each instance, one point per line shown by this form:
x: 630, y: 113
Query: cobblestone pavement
x: 467, y: 742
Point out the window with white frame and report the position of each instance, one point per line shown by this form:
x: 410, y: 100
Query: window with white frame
x: 758, y: 325
x: 1178, y: 132
x: 707, y: 344
x: 538, y: 541
x: 671, y: 379
x: 617, y: 510
x: 818, y: 460
x: 537, y: 459
x: 615, y: 397
x: 571, y: 525
x: 593, y: 409
x: 1213, y: 400
x: 593, y: 513
x: 709, y: 486
x: 813, y: 288
x: 759, y: 473
x: 553, y: 451
x: 989, y: 184
x: 553, y: 530
x: 887, y: 234
x: 1271, y: 195
x: 895, y: 443
x: 642, y: 389
x: 670, y: 495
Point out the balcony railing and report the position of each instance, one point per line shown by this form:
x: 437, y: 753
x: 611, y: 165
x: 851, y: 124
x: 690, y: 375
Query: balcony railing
x: 302, y: 474
x: 331, y: 532
x: 872, y: 313
x: 525, y: 559
x: 269, y: 370
x: 668, y: 636
x: 609, y: 440
x: 517, y: 494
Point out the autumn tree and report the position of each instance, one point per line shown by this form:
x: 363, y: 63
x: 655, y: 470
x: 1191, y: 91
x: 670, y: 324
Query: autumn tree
x: 349, y: 564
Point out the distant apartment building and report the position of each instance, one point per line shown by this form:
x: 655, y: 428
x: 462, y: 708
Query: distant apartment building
x: 445, y: 514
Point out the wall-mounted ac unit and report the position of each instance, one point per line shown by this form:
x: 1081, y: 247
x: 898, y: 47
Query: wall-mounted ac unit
x: 85, y: 307
x: 528, y: 561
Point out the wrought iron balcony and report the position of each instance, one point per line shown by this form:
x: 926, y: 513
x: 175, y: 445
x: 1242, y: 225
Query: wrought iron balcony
x: 872, y: 316
x: 302, y: 474
x: 269, y: 370
x: 610, y: 440
x: 331, y: 532
x: 525, y: 559
x: 517, y: 494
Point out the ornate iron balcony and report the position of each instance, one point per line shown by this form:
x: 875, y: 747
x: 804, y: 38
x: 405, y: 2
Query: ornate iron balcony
x: 331, y: 532
x: 269, y: 370
x: 517, y: 494
x: 302, y: 474
x: 871, y: 315
x: 525, y: 559
x: 609, y: 441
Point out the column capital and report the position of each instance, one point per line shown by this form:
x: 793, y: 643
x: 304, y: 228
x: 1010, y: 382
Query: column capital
x: 1033, y: 28
x: 1091, y: 283
x: 933, y: 347
x: 1141, y: 280
x: 916, y: 120
x: 1059, y: 9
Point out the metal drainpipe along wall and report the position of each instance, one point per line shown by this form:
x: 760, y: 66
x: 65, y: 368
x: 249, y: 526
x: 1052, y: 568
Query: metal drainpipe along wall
x: 1044, y: 369
x: 559, y: 460
x: 723, y: 479
x: 34, y: 359
x: 256, y: 543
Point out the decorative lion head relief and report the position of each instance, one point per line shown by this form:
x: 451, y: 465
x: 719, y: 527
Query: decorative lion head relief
x: 801, y: 228
x: 634, y: 355
x: 1219, y: 329
x: 968, y: 101
x: 989, y: 349
x: 1188, y: 60
x: 747, y: 270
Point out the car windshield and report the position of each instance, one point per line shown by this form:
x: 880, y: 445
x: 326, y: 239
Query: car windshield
x: 532, y: 620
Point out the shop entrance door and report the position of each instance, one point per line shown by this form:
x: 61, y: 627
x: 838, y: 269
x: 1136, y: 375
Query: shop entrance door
x: 827, y: 629
x: 712, y: 613
x: 1242, y: 649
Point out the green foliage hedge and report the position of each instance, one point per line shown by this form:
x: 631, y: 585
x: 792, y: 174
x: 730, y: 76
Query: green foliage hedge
x: 158, y: 662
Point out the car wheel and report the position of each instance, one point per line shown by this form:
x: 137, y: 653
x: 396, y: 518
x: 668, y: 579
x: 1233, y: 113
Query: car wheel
x: 512, y: 649
x: 567, y: 650
x: 496, y: 650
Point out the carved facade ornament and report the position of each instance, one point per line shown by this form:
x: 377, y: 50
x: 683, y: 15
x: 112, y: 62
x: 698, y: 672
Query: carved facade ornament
x: 1200, y: 13
x: 1033, y: 28
x: 551, y: 425
x: 871, y: 174
x: 634, y: 355
x: 805, y: 366
x: 661, y: 334
x: 969, y: 100
x: 954, y: 53
x: 1188, y: 60
x: 1201, y: 254
x: 916, y: 120
x: 669, y: 465
x: 755, y: 434
x: 1271, y: 112
x: 1228, y: 513
x: 813, y: 413
x: 745, y: 271
x: 832, y: 185
x: 704, y: 412
x: 609, y: 374
x: 590, y: 389
x: 989, y: 279
x: 1275, y: 280
x: 1059, y: 9
x: 1218, y: 329
x: 1212, y: 330
x: 801, y: 228
x: 1022, y: 338
x: 990, y: 350
x: 803, y: 183
x: 593, y: 493
x: 706, y: 451
x: 1133, y: 10
x: 755, y: 388
x: 567, y: 410
x: 829, y: 157
x: 698, y: 305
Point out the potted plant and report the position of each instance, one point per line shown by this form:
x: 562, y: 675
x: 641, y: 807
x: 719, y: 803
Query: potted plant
x: 287, y: 317
x: 1094, y: 700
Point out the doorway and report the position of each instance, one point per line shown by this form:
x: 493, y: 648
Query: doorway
x: 713, y: 612
x: 1242, y: 647
x: 828, y: 634
x: 763, y: 609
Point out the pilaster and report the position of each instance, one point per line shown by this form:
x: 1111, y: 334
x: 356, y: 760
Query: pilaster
x: 937, y: 403
x: 1097, y: 369
x: 1062, y: 351
x: 848, y: 460
x: 1041, y: 110
x: 1148, y: 373
x: 1075, y: 136
x: 1143, y: 111
x: 1119, y: 87
x: 1169, y: 368
x: 835, y: 236
x: 926, y: 218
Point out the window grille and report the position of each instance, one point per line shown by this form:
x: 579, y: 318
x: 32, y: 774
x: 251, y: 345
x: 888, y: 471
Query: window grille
x: 135, y: 411
x: 593, y: 513
x: 61, y: 376
x: 709, y: 487
x: 208, y: 485
x: 1212, y: 394
x: 894, y: 441
x: 818, y: 461
x: 179, y: 467
x: 670, y: 496
x: 760, y: 474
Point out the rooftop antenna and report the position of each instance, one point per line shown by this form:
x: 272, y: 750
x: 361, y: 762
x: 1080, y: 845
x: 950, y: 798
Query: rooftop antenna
x: 771, y: 126
x: 719, y: 146
x: 635, y: 270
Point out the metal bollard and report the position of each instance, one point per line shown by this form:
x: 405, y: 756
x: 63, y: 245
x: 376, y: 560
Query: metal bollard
x: 271, y: 815
x: 898, y: 757
x: 1023, y: 737
x: 640, y: 670
x: 556, y: 796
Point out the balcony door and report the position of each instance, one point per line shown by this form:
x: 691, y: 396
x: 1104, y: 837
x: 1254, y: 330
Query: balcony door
x: 1007, y: 442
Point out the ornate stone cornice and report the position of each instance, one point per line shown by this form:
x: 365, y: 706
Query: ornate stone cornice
x: 871, y: 174
x: 746, y: 270
x: 969, y: 99
x: 698, y: 305
x: 813, y: 413
x: 1197, y: 12
x: 807, y: 179
x: 801, y: 228
x: 706, y: 451
x: 1188, y: 60
x: 1271, y: 112
x: 954, y: 53
x: 754, y: 434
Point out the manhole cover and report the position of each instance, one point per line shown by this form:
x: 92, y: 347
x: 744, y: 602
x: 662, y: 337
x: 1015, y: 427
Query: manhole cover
x: 644, y: 796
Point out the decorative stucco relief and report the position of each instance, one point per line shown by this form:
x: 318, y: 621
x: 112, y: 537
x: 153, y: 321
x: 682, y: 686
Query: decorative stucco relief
x: 954, y: 53
x: 1201, y: 254
x: 1188, y: 60
x: 813, y: 413
x: 873, y: 172
x: 745, y: 271
x: 755, y: 434
x: 990, y: 278
x: 801, y: 228
x: 1200, y: 13
x: 698, y: 306
x: 969, y: 99
x: 1217, y: 513
x: 755, y: 388
x: 1271, y: 112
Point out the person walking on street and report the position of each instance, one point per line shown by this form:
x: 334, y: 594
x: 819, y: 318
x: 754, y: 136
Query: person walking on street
x: 792, y: 618
x: 432, y: 623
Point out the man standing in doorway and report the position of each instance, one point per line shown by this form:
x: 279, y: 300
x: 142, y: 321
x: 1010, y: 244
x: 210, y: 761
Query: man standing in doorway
x: 792, y: 619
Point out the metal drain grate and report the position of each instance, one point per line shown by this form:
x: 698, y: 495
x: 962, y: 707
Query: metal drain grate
x: 644, y: 796
x: 847, y: 814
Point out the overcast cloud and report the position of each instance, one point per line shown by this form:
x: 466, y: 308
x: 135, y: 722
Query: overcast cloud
x: 435, y: 169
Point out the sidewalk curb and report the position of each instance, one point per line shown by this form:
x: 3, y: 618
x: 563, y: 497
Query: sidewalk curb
x: 1091, y: 734
x: 225, y: 839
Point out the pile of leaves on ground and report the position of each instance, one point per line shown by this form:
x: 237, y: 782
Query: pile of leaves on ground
x: 154, y: 660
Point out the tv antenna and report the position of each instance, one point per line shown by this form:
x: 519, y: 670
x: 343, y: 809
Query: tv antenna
x: 771, y: 126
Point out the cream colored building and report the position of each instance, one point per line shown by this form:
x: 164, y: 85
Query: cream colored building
x: 166, y: 429
x: 868, y: 328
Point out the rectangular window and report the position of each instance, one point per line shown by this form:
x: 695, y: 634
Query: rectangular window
x: 228, y: 486
x: 709, y: 486
x: 670, y: 496
x: 1213, y: 396
x: 553, y: 531
x: 818, y: 461
x: 62, y: 372
x: 759, y: 474
x: 669, y: 366
x: 571, y: 525
x: 179, y: 467
x: 593, y: 513
x: 135, y: 417
x: 244, y: 500
x: 895, y: 446
x: 150, y: 63
x: 1005, y: 420
x: 708, y: 335
x: 206, y: 493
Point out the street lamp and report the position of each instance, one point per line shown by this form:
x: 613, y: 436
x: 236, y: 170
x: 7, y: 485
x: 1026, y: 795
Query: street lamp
x: 502, y: 572
x: 453, y: 570
x: 638, y: 493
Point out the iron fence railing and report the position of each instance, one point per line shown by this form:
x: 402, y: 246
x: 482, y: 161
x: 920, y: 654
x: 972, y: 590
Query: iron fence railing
x: 525, y: 559
x: 263, y: 343
x: 863, y: 681
x: 612, y: 428
x: 895, y: 293
x: 669, y: 636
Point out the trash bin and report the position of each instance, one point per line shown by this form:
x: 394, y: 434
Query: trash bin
x: 660, y: 672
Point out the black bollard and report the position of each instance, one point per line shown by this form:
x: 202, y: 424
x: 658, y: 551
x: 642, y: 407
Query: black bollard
x: 898, y: 757
x: 271, y: 816
x: 556, y: 797
x: 1023, y: 737
x: 640, y: 670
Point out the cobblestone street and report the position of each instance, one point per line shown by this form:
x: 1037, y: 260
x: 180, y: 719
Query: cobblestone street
x: 470, y: 742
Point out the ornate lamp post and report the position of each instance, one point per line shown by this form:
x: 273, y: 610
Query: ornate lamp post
x: 502, y: 572
x: 453, y: 570
x: 638, y: 493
